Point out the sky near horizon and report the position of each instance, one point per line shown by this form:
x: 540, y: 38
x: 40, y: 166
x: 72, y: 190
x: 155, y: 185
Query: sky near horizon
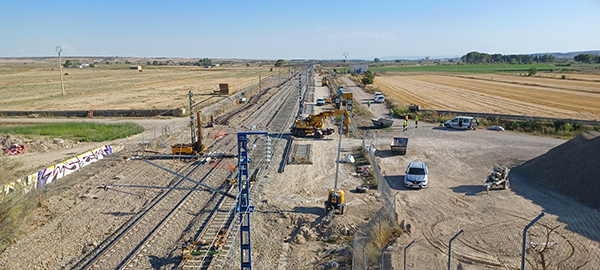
x: 297, y: 29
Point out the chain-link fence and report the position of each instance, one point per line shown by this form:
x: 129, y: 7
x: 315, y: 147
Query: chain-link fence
x: 371, y: 239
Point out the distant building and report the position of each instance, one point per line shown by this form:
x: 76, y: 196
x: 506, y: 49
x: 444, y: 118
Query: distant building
x: 135, y: 67
x: 358, y: 69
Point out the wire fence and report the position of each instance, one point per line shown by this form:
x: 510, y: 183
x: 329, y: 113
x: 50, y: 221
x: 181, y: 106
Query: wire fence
x: 371, y: 239
x: 553, y: 241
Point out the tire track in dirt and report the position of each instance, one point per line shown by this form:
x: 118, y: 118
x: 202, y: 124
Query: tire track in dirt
x: 548, y: 82
x: 523, y: 93
x: 452, y: 98
x: 445, y: 92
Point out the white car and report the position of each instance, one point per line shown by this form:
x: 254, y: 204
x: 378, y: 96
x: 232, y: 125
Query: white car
x: 379, y: 99
x: 416, y: 175
x: 320, y: 101
x: 462, y: 122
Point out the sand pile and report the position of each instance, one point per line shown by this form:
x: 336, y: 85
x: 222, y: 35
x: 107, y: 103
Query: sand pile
x: 572, y: 168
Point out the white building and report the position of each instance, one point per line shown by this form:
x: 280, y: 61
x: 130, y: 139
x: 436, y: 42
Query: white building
x: 358, y: 69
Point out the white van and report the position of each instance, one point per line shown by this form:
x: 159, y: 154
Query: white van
x: 378, y: 98
x: 462, y: 122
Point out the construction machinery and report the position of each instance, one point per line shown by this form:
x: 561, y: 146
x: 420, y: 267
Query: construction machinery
x: 325, y: 81
x: 497, y: 179
x: 335, y: 201
x: 195, y: 147
x: 314, y: 124
x: 335, y: 198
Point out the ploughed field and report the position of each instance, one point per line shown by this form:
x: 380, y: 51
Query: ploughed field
x: 576, y: 97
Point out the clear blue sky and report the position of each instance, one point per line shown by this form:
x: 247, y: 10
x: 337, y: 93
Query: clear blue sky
x: 296, y: 29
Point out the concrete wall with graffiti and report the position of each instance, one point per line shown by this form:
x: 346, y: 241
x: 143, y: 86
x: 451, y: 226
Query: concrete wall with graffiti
x: 48, y: 175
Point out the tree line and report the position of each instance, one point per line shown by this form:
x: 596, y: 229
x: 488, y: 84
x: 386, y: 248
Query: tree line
x: 484, y: 58
x: 587, y: 58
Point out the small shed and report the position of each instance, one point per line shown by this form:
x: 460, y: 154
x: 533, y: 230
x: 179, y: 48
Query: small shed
x: 135, y: 67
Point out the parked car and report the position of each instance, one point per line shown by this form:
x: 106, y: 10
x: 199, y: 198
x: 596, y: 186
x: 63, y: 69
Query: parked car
x: 379, y: 99
x: 462, y: 122
x: 320, y: 101
x: 416, y: 175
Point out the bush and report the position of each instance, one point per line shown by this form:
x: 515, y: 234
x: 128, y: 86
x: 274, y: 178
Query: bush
x: 368, y: 78
x: 532, y: 71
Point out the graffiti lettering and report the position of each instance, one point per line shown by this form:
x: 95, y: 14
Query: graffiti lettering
x: 46, y: 176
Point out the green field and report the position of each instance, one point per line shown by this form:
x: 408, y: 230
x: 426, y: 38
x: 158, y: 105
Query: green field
x: 83, y: 132
x: 491, y: 68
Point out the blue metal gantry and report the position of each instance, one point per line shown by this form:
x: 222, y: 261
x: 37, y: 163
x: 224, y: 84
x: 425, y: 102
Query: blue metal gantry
x: 244, y: 208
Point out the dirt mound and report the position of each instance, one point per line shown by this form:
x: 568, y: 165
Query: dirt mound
x: 572, y: 168
x: 37, y: 146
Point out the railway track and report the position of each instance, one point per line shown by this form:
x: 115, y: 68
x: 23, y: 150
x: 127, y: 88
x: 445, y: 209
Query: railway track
x: 124, y: 247
x: 212, y: 249
x: 151, y: 239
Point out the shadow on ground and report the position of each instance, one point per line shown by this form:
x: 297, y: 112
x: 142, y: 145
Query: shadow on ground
x: 469, y: 190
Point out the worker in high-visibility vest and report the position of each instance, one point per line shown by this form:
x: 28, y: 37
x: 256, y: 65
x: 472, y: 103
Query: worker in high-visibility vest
x: 416, y: 121
x: 405, y: 123
x: 442, y: 121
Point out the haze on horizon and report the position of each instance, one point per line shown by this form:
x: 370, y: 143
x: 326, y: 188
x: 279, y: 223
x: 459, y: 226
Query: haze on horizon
x: 296, y: 30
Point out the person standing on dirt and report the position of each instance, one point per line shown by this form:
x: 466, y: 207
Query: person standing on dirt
x: 369, y: 103
x: 416, y: 121
x: 442, y: 121
x: 391, y: 113
x: 405, y: 123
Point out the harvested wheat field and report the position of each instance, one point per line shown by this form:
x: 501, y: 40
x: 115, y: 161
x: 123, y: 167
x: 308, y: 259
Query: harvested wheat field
x: 37, y: 87
x: 497, y: 93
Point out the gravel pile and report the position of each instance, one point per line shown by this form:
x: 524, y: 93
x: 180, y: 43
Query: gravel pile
x: 572, y: 168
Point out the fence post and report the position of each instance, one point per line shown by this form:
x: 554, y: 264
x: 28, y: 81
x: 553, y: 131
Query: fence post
x: 405, y: 252
x: 450, y: 248
x: 364, y: 256
x: 523, y: 252
x: 383, y: 253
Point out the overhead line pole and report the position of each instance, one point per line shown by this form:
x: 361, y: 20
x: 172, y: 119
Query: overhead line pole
x: 62, y: 84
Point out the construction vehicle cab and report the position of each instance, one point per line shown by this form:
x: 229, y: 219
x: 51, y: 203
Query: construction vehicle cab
x: 325, y: 81
x: 335, y: 201
x: 314, y: 124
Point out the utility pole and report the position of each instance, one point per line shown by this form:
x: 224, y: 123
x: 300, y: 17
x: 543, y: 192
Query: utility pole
x: 346, y: 61
x: 62, y: 84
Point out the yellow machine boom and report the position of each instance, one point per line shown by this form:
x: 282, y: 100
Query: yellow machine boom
x: 314, y: 124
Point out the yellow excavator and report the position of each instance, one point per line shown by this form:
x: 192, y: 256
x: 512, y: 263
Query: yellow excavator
x: 314, y: 124
x: 194, y: 148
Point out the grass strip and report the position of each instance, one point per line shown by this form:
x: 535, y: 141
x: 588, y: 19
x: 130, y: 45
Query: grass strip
x: 76, y: 131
